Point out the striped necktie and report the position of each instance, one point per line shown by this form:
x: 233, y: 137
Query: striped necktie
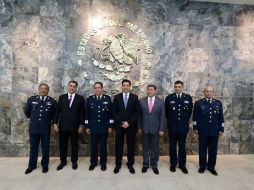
x: 70, y: 98
x: 125, y: 100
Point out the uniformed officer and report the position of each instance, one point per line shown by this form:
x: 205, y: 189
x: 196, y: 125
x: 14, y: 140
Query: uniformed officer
x: 40, y: 110
x: 98, y: 121
x: 178, y: 108
x: 208, y: 123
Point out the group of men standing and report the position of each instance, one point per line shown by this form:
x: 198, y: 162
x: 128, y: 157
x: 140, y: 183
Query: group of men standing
x: 126, y: 114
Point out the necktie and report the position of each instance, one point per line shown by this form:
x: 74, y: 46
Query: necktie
x: 125, y: 100
x: 42, y: 99
x: 70, y: 98
x: 178, y: 97
x: 150, y: 105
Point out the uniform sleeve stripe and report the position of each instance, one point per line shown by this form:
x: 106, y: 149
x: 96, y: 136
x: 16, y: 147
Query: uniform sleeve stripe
x: 194, y: 123
x: 222, y: 124
x: 86, y: 121
x: 111, y: 121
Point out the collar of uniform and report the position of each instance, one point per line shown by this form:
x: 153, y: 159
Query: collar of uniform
x: 44, y: 97
x: 99, y: 96
x: 179, y: 94
x: 207, y: 99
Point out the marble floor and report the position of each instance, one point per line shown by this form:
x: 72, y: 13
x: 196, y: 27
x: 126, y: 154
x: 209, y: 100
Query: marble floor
x: 236, y: 172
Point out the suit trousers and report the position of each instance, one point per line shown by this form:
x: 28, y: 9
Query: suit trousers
x: 130, y: 133
x: 64, y: 137
x: 151, y: 150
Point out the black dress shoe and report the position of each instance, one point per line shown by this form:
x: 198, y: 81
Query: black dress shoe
x: 132, y: 170
x: 91, y: 167
x: 117, y: 168
x: 144, y: 169
x: 172, y: 168
x: 213, y: 171
x: 74, y: 165
x: 45, y: 169
x: 156, y: 171
x: 61, y: 165
x: 201, y: 170
x: 184, y: 170
x: 29, y: 170
x: 103, y: 168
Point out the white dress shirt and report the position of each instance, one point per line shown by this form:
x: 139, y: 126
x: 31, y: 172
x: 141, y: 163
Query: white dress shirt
x: 43, y: 98
x: 153, y: 99
x: 179, y: 94
x: 72, y: 97
x: 128, y: 94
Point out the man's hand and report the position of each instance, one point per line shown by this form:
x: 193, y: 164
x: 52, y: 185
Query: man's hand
x: 80, y: 130
x: 140, y: 131
x: 221, y: 133
x: 161, y: 133
x: 125, y: 124
x: 109, y: 130
x: 88, y: 131
x: 56, y: 127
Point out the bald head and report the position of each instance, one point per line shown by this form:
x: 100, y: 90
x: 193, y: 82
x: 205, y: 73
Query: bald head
x: 208, y: 91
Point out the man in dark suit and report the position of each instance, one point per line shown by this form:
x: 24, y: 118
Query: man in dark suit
x: 208, y: 123
x: 40, y: 110
x: 125, y: 112
x: 151, y: 125
x: 99, y: 123
x: 70, y: 117
x: 178, y: 108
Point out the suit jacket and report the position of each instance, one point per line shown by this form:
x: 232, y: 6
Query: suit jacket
x: 130, y: 114
x: 40, y: 114
x: 69, y: 118
x: 151, y: 123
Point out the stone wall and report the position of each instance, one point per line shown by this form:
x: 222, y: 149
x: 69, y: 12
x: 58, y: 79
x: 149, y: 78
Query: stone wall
x: 206, y: 43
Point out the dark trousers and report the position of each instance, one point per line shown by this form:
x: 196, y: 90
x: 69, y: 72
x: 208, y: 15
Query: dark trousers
x: 119, y: 144
x: 64, y: 137
x: 101, y: 141
x: 208, y: 144
x: 151, y: 150
x: 180, y: 139
x: 35, y: 140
